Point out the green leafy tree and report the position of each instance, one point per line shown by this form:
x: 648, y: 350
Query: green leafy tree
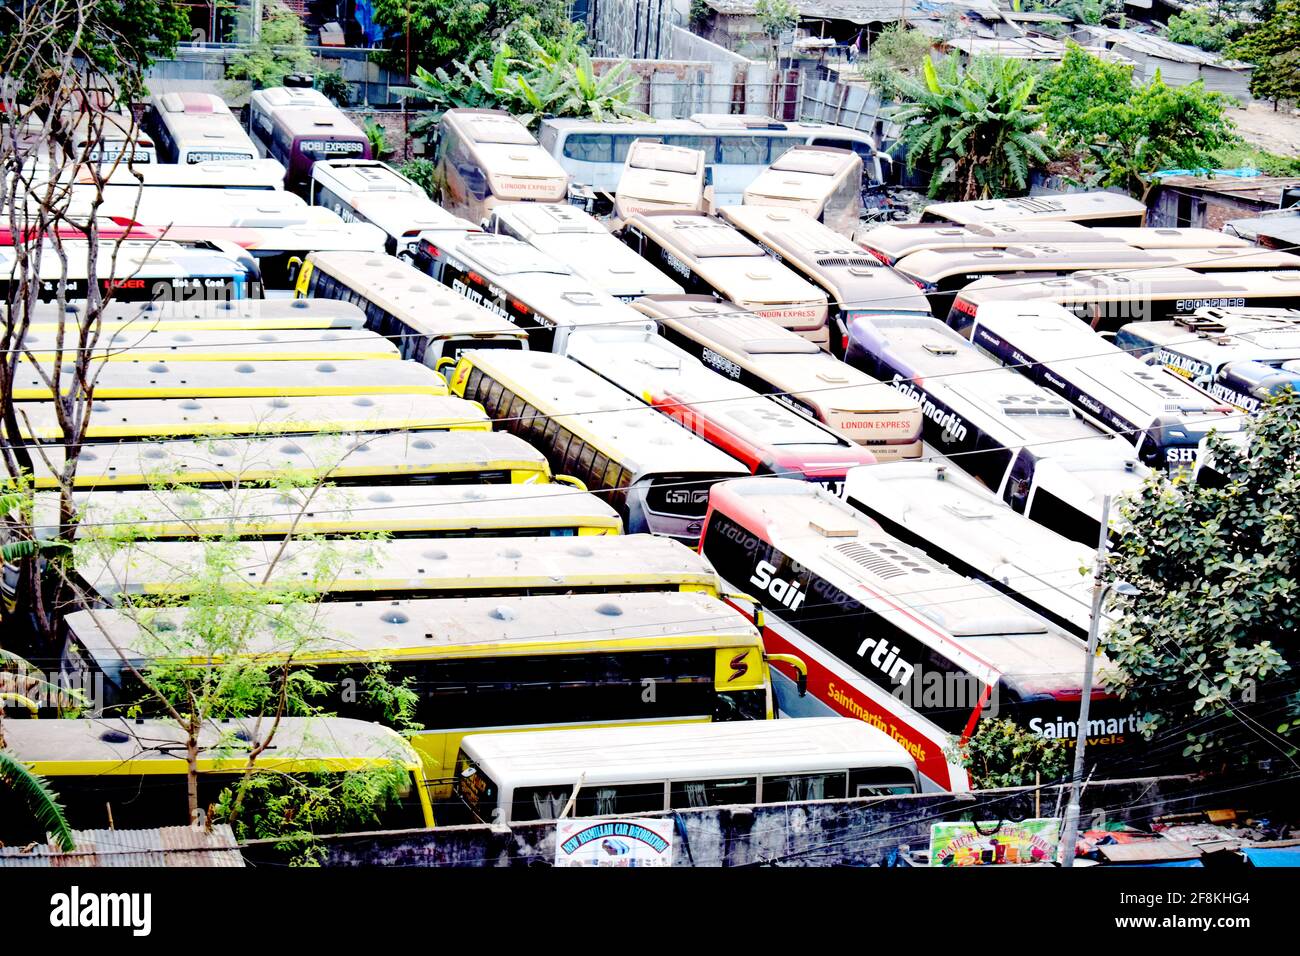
x: 424, y: 173
x: 332, y: 84
x: 895, y: 56
x: 34, y: 792
x: 775, y: 17
x: 1209, y: 646
x: 976, y: 127
x: 1124, y: 133
x: 378, y: 137
x: 444, y: 31
x: 1274, y: 48
x: 1196, y: 27
x: 280, y: 49
x: 1001, y: 753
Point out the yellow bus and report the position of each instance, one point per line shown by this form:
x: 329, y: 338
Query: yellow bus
x: 411, y: 568
x: 389, y: 458
x: 494, y: 664
x: 399, y: 511
x: 140, y: 344
x: 114, y: 419
x: 113, y: 773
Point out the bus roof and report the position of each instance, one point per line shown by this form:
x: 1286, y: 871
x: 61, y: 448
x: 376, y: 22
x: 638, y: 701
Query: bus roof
x: 417, y: 299
x: 660, y: 176
x: 141, y: 418
x: 1162, y: 283
x: 149, y: 378
x: 490, y: 126
x: 112, y: 745
x: 332, y: 457
x: 850, y: 276
x: 427, y: 510
x: 652, y: 155
x: 683, y: 751
x: 253, y: 173
x: 603, y: 563
x: 602, y: 413
x: 139, y: 342
x: 357, y: 177
x: 1077, y: 206
x: 696, y: 235
x: 581, y: 242
x: 241, y: 314
x: 968, y: 619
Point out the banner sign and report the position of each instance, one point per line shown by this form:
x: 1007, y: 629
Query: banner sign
x: 613, y: 842
x: 965, y: 844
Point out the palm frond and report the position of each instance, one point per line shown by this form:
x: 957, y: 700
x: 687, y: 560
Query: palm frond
x: 43, y: 803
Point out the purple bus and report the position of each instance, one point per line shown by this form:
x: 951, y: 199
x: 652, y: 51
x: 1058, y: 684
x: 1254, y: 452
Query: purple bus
x: 299, y: 125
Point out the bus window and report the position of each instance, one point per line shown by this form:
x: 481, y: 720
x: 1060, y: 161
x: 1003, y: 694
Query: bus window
x: 539, y: 803
x: 686, y: 794
x: 623, y: 799
x: 743, y: 150
x: 804, y: 786
x: 879, y: 782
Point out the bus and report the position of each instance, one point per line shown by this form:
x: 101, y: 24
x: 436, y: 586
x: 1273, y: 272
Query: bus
x: 113, y: 773
x: 890, y: 636
x: 485, y: 157
x: 396, y: 511
x: 774, y: 361
x: 1097, y: 208
x: 1028, y: 447
x: 210, y: 207
x: 498, y: 663
x: 197, y: 128
x: 1239, y: 356
x: 109, y: 136
x: 460, y: 457
x: 234, y: 315
x: 411, y: 568
x: 141, y: 271
x: 855, y: 283
x: 526, y: 776
x: 136, y: 419
x: 891, y: 241
x: 768, y: 437
x: 251, y: 173
x: 522, y: 284
x: 714, y: 258
x: 297, y: 126
x: 145, y: 377
x: 1165, y: 417
x: 942, y: 274
x: 823, y: 182
x: 366, y: 190
x: 954, y: 519
x: 657, y: 176
x: 138, y: 342
x: 582, y: 243
x: 427, y: 322
x: 737, y: 147
x: 1108, y: 300
x: 656, y: 473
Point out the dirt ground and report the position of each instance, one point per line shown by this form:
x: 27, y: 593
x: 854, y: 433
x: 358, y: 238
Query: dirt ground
x: 1276, y: 132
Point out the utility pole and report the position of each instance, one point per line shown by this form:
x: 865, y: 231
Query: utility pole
x: 255, y: 21
x: 1070, y: 828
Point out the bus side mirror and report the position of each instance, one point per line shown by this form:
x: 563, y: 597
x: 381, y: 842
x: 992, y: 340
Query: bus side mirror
x: 291, y: 272
x: 708, y: 175
x: 800, y: 667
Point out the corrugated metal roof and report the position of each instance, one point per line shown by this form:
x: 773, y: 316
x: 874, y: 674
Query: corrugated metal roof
x: 159, y: 846
x: 862, y: 11
x: 1266, y: 190
x: 1162, y: 48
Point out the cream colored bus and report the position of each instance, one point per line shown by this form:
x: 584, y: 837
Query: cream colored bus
x: 1096, y: 208
x: 823, y: 182
x: 142, y: 343
x: 711, y: 257
x: 657, y: 177
x: 242, y: 315
x: 776, y: 362
x: 487, y: 156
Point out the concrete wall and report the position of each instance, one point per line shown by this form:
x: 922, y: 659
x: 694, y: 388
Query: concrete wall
x: 828, y: 832
x: 1206, y: 209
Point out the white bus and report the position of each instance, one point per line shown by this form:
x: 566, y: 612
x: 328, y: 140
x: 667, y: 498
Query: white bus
x: 1091, y: 208
x: 258, y: 174
x: 198, y: 128
x: 487, y: 156
x: 957, y: 522
x: 889, y: 242
x: 366, y: 190
x: 1165, y: 417
x: 578, y: 240
x: 110, y: 136
x: 297, y: 126
x: 890, y: 636
x: 774, y: 361
x: 657, y: 177
x: 821, y: 181
x: 656, y: 473
x: 711, y: 257
x: 1240, y: 356
x: 141, y: 343
x: 507, y: 778
x: 768, y: 436
x: 522, y: 284
x: 737, y: 147
x: 239, y: 315
x: 428, y: 322
x: 1029, y: 447
x: 854, y: 281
